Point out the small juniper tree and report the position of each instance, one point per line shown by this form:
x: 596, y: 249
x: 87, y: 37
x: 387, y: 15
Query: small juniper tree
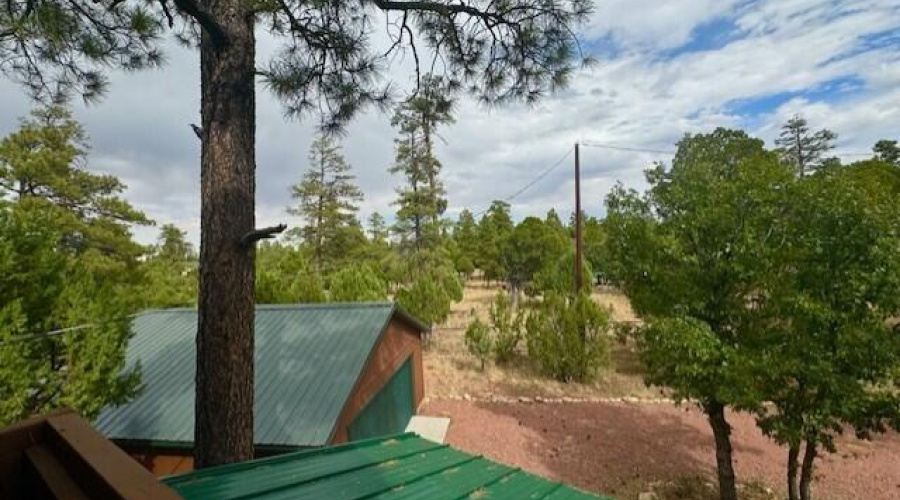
x: 507, y: 325
x: 568, y: 336
x: 478, y: 341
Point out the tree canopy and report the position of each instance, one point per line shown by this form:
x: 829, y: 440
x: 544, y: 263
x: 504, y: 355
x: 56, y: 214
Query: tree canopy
x: 71, y: 274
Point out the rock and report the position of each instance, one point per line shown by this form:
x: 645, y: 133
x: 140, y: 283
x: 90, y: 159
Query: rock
x: 648, y: 495
x: 467, y: 397
x: 526, y: 400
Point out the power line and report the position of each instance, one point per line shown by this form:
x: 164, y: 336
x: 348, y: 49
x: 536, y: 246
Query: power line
x: 633, y: 149
x: 53, y: 333
x: 534, y: 181
x: 601, y: 145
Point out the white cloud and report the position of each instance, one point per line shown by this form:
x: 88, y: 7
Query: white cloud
x: 641, y: 97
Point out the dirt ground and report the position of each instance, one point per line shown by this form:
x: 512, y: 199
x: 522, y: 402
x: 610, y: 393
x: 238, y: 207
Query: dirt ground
x: 621, y: 449
x: 450, y: 371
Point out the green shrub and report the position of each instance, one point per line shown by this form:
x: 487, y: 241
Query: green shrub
x: 434, y: 287
x: 568, y: 337
x: 478, y: 341
x: 507, y: 325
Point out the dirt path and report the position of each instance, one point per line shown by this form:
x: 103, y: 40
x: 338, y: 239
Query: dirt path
x: 614, y: 448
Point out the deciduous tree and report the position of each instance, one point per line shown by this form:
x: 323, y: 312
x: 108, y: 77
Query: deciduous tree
x: 691, y: 255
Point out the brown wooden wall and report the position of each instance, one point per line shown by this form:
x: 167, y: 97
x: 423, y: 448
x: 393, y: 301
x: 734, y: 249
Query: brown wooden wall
x: 162, y: 462
x: 399, y: 342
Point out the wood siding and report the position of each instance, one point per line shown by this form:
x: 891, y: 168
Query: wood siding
x: 399, y: 342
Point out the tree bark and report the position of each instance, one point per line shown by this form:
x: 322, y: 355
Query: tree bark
x: 806, y: 474
x: 223, y: 425
x: 724, y: 464
x: 793, y: 467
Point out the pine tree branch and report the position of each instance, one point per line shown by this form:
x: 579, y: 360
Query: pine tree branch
x: 261, y: 234
x: 206, y: 21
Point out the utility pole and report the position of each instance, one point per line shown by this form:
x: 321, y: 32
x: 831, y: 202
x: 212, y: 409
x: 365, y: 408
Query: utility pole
x: 579, y: 265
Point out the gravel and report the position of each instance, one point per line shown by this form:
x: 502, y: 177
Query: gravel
x: 608, y: 447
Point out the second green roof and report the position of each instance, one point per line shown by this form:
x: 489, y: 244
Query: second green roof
x: 404, y: 467
x: 308, y: 358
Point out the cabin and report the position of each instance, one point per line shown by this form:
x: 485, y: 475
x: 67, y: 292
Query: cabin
x: 324, y: 374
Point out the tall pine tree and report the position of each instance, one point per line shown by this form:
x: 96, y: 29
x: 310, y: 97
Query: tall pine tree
x: 327, y: 200
x: 422, y: 200
x: 804, y: 150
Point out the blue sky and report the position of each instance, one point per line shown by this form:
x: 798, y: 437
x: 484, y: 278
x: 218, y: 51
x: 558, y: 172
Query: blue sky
x: 666, y: 68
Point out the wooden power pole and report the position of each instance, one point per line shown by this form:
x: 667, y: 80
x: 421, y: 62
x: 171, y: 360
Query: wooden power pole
x: 579, y: 248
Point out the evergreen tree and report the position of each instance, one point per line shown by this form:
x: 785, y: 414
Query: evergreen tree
x: 511, y: 50
x: 554, y: 222
x: 326, y: 199
x: 494, y: 230
x: 887, y: 151
x: 378, y: 232
x: 171, y: 270
x: 70, y: 274
x: 422, y: 200
x: 802, y: 149
x: 465, y: 234
x: 530, y: 247
x: 357, y: 283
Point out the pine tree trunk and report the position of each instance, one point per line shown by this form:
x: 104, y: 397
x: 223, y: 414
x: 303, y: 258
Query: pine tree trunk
x: 724, y: 463
x: 223, y: 431
x: 793, y: 467
x: 806, y: 474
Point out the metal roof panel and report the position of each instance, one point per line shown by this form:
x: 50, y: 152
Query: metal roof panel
x: 308, y: 358
x: 404, y: 467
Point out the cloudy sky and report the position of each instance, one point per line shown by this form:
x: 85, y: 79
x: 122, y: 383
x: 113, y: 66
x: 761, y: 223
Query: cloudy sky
x: 666, y: 68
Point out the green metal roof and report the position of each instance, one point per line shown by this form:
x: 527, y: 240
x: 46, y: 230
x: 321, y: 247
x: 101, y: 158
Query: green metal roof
x: 404, y: 467
x: 308, y: 359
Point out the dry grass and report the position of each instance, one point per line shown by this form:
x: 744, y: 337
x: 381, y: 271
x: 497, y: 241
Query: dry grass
x: 451, y: 371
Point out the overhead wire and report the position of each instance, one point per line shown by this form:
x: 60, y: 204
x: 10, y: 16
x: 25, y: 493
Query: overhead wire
x: 534, y: 181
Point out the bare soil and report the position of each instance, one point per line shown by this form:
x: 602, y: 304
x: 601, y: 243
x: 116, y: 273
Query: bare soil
x: 621, y: 449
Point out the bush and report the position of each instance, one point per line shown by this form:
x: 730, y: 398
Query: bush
x: 507, y: 327
x: 568, y: 336
x: 433, y: 288
x: 478, y: 341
